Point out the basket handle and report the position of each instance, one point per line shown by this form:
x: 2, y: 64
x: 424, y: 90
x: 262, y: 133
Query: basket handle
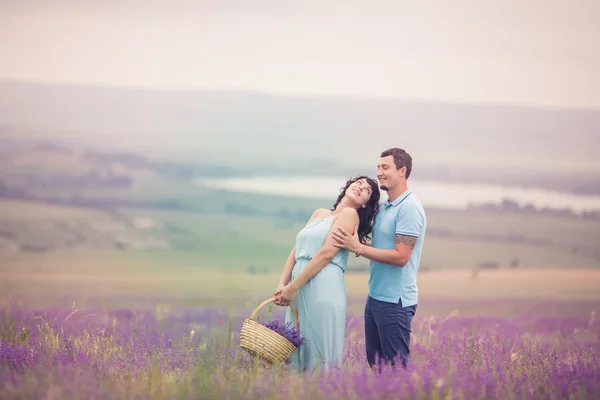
x: 261, y: 305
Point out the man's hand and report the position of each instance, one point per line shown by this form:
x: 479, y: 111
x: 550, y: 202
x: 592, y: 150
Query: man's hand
x: 344, y: 240
x: 285, y: 295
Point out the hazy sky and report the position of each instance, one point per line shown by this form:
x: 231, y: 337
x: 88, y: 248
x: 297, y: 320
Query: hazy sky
x: 544, y: 52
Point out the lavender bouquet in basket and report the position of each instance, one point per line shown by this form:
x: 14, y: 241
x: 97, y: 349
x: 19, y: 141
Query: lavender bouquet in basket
x: 286, y: 330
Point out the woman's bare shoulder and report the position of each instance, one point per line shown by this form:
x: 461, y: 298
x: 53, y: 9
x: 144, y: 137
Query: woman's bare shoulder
x: 348, y: 216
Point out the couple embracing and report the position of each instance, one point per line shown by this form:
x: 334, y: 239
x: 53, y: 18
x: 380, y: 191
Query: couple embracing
x: 313, y: 276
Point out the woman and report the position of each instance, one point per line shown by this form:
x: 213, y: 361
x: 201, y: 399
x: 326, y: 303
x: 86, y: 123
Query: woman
x: 313, y: 276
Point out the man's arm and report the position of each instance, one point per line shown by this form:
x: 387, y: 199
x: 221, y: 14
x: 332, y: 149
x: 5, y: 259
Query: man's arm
x: 398, y: 256
x: 408, y: 228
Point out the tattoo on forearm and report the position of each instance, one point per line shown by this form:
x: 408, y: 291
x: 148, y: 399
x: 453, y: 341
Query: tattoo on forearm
x: 410, y: 241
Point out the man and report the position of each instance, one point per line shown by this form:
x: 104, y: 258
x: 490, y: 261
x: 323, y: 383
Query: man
x: 395, y: 255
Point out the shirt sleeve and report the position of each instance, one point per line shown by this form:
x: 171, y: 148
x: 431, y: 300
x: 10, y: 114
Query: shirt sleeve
x: 410, y: 220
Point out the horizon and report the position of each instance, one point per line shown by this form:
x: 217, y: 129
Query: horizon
x: 320, y: 96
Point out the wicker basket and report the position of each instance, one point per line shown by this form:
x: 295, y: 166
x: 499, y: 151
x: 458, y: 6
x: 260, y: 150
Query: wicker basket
x: 258, y: 340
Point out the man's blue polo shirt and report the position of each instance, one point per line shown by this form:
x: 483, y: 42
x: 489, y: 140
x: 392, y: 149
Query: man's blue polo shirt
x: 404, y: 216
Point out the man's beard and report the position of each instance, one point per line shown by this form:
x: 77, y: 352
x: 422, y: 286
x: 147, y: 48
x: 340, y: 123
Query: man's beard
x: 383, y: 187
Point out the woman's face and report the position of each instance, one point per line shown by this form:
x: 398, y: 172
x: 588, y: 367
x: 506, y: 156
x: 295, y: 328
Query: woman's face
x: 360, y: 191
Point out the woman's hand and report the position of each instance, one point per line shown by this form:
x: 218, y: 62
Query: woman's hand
x: 276, y: 294
x: 286, y: 295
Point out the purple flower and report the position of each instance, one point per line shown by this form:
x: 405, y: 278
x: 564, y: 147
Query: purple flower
x: 287, y: 331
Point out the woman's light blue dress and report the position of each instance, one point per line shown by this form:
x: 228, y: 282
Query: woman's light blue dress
x: 321, y: 302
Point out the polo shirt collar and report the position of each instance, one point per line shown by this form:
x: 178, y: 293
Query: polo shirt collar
x: 399, y: 199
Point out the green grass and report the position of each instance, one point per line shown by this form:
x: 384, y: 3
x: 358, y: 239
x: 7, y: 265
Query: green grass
x: 255, y: 232
x: 241, y: 241
x: 533, y: 227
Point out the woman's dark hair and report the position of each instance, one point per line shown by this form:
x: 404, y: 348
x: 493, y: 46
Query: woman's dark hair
x: 366, y: 215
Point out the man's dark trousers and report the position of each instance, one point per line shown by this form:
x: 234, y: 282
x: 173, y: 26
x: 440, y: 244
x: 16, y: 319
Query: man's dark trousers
x: 387, y: 331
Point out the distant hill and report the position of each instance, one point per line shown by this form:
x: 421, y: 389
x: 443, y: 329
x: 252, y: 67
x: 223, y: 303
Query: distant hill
x: 252, y: 127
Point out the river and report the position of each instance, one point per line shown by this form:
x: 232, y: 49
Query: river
x: 431, y: 193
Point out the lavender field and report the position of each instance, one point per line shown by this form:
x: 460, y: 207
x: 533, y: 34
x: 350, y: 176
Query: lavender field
x: 519, y: 350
